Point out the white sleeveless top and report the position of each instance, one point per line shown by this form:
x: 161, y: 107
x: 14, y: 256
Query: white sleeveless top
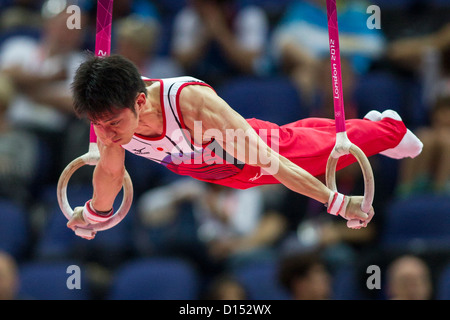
x: 175, y: 148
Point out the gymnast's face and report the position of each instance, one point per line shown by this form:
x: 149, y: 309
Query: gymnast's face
x: 117, y: 127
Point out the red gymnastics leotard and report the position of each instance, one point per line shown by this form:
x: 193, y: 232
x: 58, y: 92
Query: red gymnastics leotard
x: 307, y: 143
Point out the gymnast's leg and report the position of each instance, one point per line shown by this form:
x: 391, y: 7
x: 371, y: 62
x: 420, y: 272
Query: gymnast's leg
x: 308, y: 142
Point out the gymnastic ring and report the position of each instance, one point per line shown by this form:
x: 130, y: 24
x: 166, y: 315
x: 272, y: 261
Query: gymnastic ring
x: 369, y: 181
x: 63, y: 181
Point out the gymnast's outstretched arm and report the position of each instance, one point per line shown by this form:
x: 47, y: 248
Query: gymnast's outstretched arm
x: 200, y: 103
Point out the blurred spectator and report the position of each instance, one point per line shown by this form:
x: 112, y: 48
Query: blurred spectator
x: 142, y: 8
x: 301, y: 45
x: 339, y: 245
x: 20, y: 15
x: 9, y: 277
x: 444, y: 80
x: 409, y: 50
x: 42, y: 72
x: 232, y: 225
x: 428, y: 56
x: 310, y: 227
x: 216, y: 39
x: 18, y: 151
x: 305, y: 276
x: 137, y: 39
x: 226, y: 287
x: 430, y: 172
x: 408, y: 278
x: 436, y: 72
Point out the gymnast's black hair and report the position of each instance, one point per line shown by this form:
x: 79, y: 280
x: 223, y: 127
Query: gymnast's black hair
x: 104, y: 84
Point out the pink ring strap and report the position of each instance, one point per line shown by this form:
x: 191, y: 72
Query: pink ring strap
x: 335, y: 58
x: 103, y: 28
x: 102, y: 39
x: 342, y: 141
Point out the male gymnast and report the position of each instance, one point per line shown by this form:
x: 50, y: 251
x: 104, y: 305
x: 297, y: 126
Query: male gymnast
x: 184, y: 125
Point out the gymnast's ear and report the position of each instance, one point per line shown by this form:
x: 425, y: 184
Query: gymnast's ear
x: 140, y: 102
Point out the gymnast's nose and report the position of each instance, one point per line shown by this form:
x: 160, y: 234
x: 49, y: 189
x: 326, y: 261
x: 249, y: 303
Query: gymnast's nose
x: 105, y: 132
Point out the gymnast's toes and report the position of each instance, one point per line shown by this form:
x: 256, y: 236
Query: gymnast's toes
x: 410, y: 146
x: 373, y: 115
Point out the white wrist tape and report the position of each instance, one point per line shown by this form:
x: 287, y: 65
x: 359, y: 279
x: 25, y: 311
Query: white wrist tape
x: 336, y: 204
x: 92, y: 216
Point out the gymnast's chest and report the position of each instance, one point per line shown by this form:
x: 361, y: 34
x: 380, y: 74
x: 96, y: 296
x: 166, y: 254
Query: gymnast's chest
x: 157, y: 150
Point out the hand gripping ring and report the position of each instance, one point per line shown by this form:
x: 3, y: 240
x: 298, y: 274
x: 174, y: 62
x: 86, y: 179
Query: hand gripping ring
x: 344, y: 146
x: 91, y: 158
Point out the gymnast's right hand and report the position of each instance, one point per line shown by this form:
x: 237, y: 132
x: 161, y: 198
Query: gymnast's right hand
x: 79, y: 225
x: 85, y: 218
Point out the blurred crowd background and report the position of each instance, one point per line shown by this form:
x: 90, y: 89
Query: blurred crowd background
x: 183, y: 239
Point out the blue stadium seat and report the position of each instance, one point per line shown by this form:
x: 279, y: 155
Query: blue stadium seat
x: 441, y: 3
x: 346, y: 285
x: 270, y: 6
x: 379, y: 91
x: 389, y: 4
x: 13, y: 229
x: 155, y: 279
x: 419, y: 222
x: 443, y: 285
x: 49, y: 281
x: 272, y: 99
x: 261, y: 281
x: 171, y: 6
